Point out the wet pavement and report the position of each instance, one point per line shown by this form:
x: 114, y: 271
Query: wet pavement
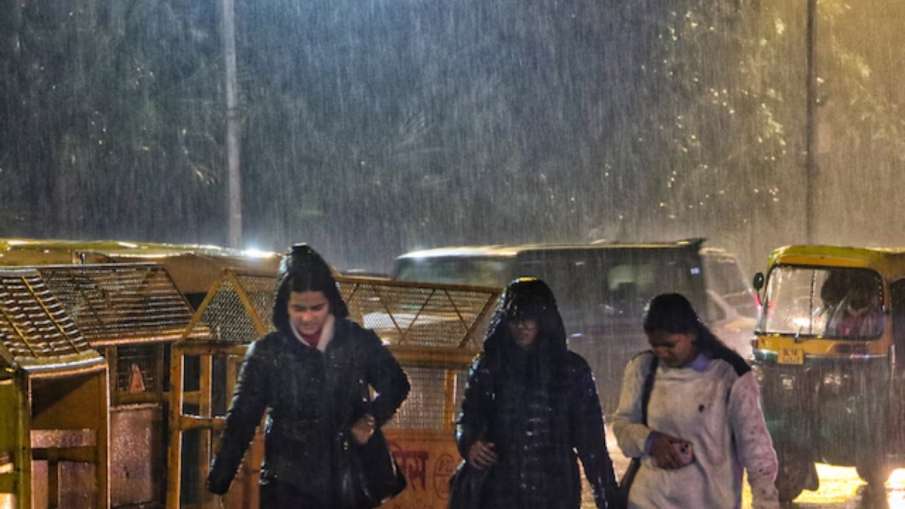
x: 840, y: 488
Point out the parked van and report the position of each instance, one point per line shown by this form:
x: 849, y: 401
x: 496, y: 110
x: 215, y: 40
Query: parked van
x: 602, y: 288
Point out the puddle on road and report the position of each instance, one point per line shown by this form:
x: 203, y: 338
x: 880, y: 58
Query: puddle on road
x: 840, y: 488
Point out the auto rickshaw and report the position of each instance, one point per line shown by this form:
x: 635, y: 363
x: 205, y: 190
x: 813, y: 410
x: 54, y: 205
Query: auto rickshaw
x: 831, y: 325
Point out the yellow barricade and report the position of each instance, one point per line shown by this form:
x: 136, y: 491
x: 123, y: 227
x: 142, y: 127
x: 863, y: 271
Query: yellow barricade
x: 54, y: 427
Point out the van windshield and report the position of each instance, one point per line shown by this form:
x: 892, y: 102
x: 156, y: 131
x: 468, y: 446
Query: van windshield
x: 835, y: 303
x: 455, y: 270
x: 608, y: 286
x: 724, y: 277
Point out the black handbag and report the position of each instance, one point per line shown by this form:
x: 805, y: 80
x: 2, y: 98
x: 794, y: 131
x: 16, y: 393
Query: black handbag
x: 625, y: 484
x: 466, y: 485
x: 368, y: 474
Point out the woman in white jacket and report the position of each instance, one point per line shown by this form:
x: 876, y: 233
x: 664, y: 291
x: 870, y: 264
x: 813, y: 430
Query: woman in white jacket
x: 704, y: 421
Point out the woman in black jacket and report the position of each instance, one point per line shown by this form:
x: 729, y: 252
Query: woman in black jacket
x: 312, y: 377
x: 531, y: 409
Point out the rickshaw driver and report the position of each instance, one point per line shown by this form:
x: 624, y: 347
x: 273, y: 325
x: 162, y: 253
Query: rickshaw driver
x: 858, y: 314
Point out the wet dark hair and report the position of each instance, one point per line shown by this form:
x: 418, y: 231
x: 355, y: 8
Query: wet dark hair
x: 528, y: 298
x: 673, y: 313
x: 304, y: 270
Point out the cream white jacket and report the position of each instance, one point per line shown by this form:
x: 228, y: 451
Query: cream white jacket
x: 718, y: 410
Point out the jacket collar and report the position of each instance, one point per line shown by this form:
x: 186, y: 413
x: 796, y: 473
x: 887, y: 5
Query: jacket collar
x: 327, y: 334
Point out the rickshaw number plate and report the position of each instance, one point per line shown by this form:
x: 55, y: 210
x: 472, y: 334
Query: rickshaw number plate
x: 791, y: 356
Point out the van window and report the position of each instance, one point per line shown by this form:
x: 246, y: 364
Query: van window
x: 723, y: 276
x: 598, y: 286
x: 897, y: 293
x: 460, y: 270
x: 715, y: 312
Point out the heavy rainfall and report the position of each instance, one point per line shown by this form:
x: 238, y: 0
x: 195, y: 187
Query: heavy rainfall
x: 371, y: 129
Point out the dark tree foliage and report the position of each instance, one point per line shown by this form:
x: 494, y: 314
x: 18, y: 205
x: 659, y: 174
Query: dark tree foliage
x: 860, y: 123
x: 113, y: 121
x: 373, y: 127
x: 448, y: 122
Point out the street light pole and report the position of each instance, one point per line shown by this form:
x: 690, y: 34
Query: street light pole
x: 234, y: 176
x: 811, y: 119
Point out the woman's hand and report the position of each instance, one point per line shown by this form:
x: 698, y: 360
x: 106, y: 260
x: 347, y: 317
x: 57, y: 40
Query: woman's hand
x: 663, y: 450
x: 481, y: 454
x: 363, y: 429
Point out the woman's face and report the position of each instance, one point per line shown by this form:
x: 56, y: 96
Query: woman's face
x: 524, y: 331
x: 675, y: 349
x: 308, y: 311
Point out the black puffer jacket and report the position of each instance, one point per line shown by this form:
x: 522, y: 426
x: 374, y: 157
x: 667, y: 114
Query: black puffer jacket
x: 538, y: 408
x: 311, y: 399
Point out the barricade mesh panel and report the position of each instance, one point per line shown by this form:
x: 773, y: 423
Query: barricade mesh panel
x: 227, y: 317
x: 427, y: 315
x: 461, y: 380
x: 34, y: 325
x: 126, y: 302
x: 423, y: 409
x: 260, y: 291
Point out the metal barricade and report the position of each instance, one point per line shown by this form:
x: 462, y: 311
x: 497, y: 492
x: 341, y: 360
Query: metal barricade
x: 192, y: 267
x: 434, y: 331
x: 54, y: 424
x: 130, y: 313
x: 237, y: 310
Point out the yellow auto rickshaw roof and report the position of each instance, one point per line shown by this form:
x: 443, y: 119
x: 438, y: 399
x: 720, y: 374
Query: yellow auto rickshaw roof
x: 888, y: 261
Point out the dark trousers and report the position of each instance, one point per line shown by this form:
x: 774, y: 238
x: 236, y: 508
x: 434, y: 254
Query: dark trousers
x: 282, y: 495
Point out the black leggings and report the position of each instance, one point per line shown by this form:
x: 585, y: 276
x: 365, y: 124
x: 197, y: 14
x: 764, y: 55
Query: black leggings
x: 282, y: 495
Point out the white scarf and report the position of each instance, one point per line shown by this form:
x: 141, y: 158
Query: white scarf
x: 326, y: 333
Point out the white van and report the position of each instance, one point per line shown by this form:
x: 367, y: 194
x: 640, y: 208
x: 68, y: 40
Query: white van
x: 602, y: 288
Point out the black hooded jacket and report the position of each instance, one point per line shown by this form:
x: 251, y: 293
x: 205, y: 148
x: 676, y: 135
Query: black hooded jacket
x: 538, y: 407
x: 311, y: 399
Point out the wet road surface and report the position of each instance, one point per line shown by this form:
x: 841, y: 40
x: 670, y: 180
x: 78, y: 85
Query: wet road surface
x: 840, y: 488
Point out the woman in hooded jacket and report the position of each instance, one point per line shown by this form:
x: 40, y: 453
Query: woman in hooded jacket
x: 530, y: 410
x: 312, y: 377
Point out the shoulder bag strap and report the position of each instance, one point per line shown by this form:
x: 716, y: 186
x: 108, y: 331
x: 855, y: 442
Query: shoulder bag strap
x: 626, y: 483
x: 648, y: 387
